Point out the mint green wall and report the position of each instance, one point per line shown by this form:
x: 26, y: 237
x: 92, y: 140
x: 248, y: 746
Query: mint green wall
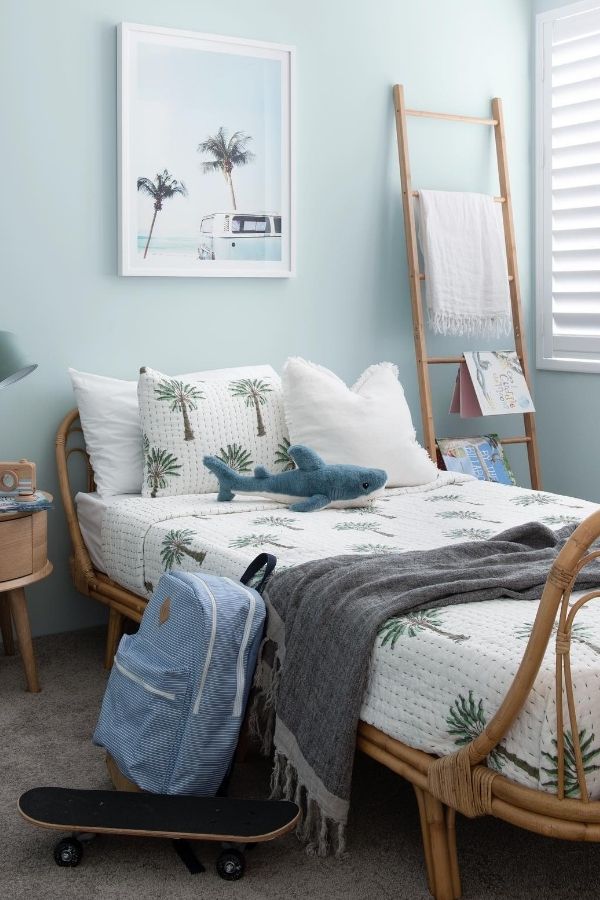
x: 540, y: 6
x: 568, y: 405
x: 348, y: 306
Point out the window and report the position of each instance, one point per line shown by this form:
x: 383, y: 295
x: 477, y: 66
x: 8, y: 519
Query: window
x: 568, y: 187
x: 206, y: 226
x: 251, y: 224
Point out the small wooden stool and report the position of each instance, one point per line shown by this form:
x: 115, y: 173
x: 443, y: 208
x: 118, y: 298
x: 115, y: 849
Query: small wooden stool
x: 23, y: 561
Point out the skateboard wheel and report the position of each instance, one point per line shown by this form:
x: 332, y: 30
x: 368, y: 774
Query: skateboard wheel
x: 68, y: 852
x: 231, y: 865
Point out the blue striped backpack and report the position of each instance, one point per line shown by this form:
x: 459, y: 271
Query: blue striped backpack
x: 177, y: 692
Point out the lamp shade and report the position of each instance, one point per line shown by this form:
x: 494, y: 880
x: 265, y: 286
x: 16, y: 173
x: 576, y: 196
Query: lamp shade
x: 13, y: 365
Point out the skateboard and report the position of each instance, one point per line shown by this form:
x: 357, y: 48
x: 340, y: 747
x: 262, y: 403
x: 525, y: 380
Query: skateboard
x: 230, y: 821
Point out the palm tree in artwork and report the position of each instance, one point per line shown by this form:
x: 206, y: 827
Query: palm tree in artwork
x: 182, y: 397
x: 177, y: 544
x: 227, y: 153
x: 253, y: 391
x: 162, y: 188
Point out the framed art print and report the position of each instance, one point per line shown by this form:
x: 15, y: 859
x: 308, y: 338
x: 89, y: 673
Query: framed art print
x: 205, y: 154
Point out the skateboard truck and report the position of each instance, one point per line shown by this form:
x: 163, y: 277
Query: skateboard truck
x: 186, y: 854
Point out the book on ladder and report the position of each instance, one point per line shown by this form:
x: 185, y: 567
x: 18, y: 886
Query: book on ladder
x: 416, y: 277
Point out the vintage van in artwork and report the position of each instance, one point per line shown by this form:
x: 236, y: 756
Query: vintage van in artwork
x: 240, y: 236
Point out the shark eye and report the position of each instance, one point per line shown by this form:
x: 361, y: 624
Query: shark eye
x: 365, y: 485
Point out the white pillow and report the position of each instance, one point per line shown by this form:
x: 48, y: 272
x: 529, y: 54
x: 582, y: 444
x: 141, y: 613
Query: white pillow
x: 237, y: 416
x: 108, y: 411
x: 366, y: 425
x: 110, y: 419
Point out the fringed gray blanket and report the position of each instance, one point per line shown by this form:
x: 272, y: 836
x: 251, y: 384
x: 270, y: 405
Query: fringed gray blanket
x: 324, y: 617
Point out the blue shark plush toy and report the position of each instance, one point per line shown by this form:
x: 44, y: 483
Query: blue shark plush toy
x: 314, y: 480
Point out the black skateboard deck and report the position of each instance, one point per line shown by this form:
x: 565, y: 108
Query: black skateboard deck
x: 158, y: 815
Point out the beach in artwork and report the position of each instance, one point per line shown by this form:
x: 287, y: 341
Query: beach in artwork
x: 175, y: 247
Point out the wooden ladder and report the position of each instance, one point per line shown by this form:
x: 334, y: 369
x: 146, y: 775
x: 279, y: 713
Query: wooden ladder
x: 415, y: 276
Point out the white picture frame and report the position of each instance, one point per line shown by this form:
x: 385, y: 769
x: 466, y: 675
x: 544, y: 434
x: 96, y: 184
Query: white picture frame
x: 205, y: 155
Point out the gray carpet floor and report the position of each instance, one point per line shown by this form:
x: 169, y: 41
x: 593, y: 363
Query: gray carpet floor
x: 45, y: 739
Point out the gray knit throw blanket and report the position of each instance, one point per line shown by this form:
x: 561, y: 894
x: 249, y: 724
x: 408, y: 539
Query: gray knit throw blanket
x: 324, y: 617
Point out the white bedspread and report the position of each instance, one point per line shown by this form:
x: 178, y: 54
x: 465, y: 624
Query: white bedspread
x: 436, y: 677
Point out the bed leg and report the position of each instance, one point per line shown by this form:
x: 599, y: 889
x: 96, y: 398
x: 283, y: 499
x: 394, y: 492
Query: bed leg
x: 444, y: 879
x: 452, y: 852
x: 426, y: 838
x: 113, y: 636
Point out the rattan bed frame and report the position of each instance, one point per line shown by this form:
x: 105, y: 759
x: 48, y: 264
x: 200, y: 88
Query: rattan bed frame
x: 443, y: 786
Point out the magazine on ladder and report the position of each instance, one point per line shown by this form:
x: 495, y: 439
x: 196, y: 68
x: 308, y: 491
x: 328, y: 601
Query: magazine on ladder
x: 490, y: 383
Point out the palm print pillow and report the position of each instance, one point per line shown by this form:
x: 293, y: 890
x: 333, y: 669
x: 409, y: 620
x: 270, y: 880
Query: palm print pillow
x: 235, y: 414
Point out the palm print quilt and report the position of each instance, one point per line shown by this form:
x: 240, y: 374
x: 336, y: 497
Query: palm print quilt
x: 436, y: 676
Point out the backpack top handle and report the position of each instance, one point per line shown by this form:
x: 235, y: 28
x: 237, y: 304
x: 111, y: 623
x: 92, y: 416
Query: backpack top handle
x: 264, y: 561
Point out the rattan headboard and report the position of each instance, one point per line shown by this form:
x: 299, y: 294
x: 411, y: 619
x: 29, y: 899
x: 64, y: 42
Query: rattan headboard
x: 70, y: 430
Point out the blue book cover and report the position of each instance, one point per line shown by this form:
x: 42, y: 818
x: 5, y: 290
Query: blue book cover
x: 34, y: 503
x: 481, y: 457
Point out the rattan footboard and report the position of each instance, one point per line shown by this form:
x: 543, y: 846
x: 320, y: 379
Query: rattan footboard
x: 459, y: 782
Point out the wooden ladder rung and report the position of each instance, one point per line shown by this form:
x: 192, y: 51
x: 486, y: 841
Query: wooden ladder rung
x: 452, y: 117
x: 496, y: 199
x: 422, y: 277
x: 518, y: 439
x: 443, y: 360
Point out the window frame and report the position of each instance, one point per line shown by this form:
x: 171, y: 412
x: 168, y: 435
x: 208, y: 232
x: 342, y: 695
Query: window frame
x: 587, y: 348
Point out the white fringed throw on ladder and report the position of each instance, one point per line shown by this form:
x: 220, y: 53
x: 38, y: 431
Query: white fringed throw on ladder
x: 466, y: 276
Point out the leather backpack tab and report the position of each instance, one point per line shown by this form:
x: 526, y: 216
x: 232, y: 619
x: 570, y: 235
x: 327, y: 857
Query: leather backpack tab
x: 165, y: 610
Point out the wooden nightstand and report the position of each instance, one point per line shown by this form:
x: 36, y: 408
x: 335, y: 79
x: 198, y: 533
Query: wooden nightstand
x: 23, y: 560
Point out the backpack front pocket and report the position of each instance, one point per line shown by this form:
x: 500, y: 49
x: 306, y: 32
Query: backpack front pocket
x: 141, y: 717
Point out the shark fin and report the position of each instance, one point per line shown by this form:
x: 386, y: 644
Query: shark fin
x: 311, y: 504
x: 306, y: 460
x: 261, y: 472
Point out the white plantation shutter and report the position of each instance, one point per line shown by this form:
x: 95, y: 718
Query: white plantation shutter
x: 568, y: 187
